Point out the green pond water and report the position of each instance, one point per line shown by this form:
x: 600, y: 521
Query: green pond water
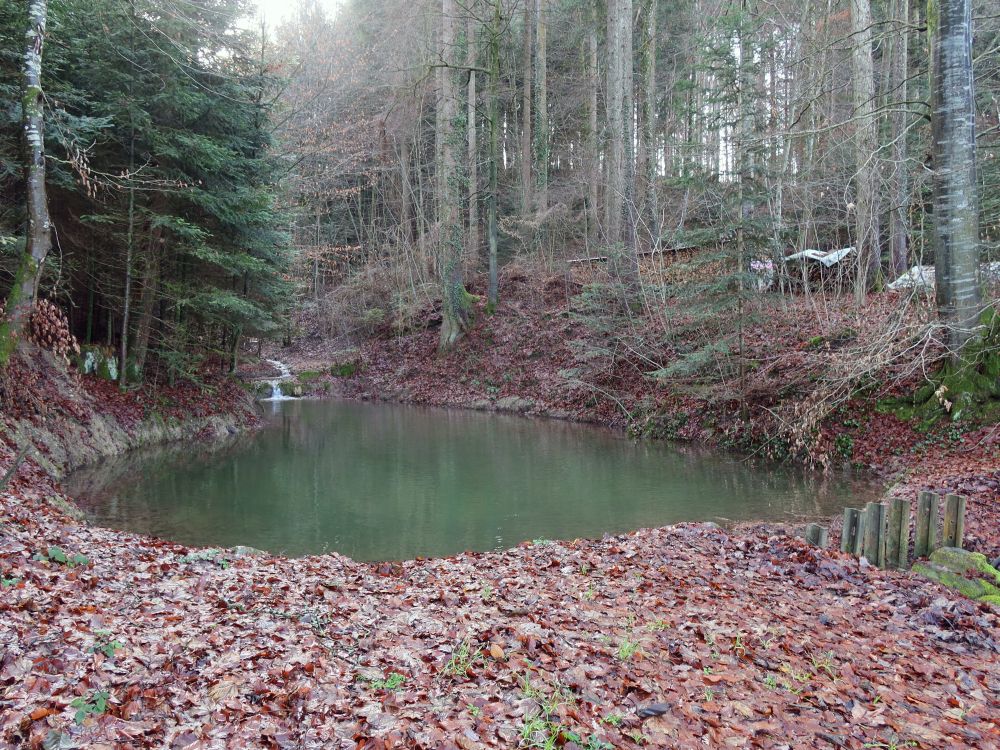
x: 380, y: 482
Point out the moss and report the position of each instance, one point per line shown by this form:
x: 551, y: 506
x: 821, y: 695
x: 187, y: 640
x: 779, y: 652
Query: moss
x: 345, y: 370
x: 962, y: 561
x: 967, y: 390
x: 307, y: 376
x: 991, y: 599
x: 815, y: 342
x: 972, y: 588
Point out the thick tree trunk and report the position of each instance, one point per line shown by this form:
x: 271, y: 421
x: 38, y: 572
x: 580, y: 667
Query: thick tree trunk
x: 956, y: 210
x: 650, y: 213
x: 541, y: 155
x: 866, y: 213
x: 593, y: 146
x: 494, y: 114
x: 470, y: 119
x: 614, y: 201
x: 39, y: 231
x: 455, y: 302
x: 527, y: 84
x: 899, y: 224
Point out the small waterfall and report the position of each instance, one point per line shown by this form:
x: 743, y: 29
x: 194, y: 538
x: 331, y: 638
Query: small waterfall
x: 276, y: 392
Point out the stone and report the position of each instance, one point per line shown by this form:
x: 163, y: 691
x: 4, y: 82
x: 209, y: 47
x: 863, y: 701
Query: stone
x: 973, y: 588
x: 962, y: 561
x: 294, y: 390
x: 571, y: 373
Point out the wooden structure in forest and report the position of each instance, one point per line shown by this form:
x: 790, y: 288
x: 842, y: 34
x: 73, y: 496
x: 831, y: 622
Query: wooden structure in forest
x: 881, y: 531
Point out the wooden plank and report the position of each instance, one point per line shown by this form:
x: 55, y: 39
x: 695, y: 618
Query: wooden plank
x: 954, y: 521
x: 817, y: 535
x: 925, y: 538
x: 874, y: 542
x: 849, y: 532
x: 897, y: 535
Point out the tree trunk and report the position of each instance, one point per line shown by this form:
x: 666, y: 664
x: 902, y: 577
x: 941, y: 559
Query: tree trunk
x: 147, y: 303
x: 866, y: 213
x: 650, y: 213
x: 470, y: 60
x: 455, y: 302
x: 541, y: 156
x: 22, y: 294
x: 615, y: 197
x: 526, y: 87
x: 899, y: 216
x: 593, y: 147
x: 494, y: 97
x: 956, y: 210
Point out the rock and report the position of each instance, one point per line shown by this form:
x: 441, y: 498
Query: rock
x: 515, y: 404
x: 973, y: 588
x: 263, y: 390
x: 571, y: 373
x: 996, y: 563
x: 481, y: 404
x: 962, y: 561
x: 294, y: 390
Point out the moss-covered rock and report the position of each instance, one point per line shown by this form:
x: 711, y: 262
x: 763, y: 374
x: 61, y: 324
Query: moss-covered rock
x: 973, y: 588
x: 962, y: 561
x: 969, y: 573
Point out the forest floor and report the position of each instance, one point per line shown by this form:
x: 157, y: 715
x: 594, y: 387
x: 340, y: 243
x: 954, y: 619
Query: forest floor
x: 679, y: 637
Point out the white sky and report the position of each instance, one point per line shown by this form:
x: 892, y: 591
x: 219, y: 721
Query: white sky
x: 276, y: 11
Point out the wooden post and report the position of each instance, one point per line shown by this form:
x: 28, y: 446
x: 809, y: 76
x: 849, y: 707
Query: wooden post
x: 874, y: 540
x: 817, y: 535
x: 954, y: 521
x: 859, y: 536
x: 897, y: 542
x: 849, y: 532
x: 925, y: 539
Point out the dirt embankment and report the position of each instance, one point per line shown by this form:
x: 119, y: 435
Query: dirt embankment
x: 71, y: 420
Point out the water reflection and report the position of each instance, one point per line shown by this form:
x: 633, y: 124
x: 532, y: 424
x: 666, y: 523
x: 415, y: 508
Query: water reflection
x: 387, y: 482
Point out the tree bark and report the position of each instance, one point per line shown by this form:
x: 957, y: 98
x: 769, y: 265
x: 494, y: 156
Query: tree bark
x: 593, y: 146
x: 650, y: 213
x: 899, y: 214
x: 470, y: 61
x: 615, y: 106
x: 526, y: 86
x: 866, y: 213
x: 38, y: 242
x: 541, y: 155
x: 494, y: 114
x: 956, y: 210
x: 456, y: 301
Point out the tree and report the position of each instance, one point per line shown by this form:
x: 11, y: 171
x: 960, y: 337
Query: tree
x: 866, y: 230
x: 455, y: 300
x: 541, y: 155
x: 38, y: 240
x: 956, y: 211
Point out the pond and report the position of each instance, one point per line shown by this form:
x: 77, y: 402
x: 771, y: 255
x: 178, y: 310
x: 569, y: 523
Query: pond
x: 381, y: 482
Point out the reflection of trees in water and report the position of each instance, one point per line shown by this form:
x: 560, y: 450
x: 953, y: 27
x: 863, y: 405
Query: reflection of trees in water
x: 382, y: 481
x: 89, y: 484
